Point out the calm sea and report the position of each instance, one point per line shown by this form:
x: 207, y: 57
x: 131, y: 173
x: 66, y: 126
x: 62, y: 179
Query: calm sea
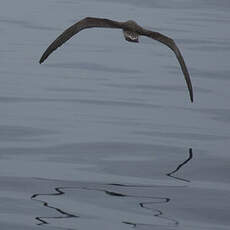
x: 103, y: 135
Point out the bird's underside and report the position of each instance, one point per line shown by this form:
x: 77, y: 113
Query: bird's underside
x: 130, y: 36
x: 131, y: 31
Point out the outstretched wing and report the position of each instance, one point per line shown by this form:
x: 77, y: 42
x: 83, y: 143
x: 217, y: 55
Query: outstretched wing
x: 77, y: 27
x: 172, y: 45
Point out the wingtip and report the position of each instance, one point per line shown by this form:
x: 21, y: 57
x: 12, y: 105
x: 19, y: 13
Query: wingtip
x: 41, y: 61
x: 191, y: 96
x: 43, y: 58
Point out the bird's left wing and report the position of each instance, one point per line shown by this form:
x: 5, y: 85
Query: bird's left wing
x: 85, y: 23
x: 172, y: 45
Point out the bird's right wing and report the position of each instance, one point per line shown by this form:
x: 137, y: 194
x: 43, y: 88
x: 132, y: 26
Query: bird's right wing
x: 85, y: 23
x: 172, y: 45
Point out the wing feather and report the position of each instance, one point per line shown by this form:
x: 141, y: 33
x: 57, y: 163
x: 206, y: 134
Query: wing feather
x: 85, y: 23
x: 172, y: 45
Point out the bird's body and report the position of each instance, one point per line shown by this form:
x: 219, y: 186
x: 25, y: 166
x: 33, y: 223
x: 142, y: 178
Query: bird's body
x: 130, y: 36
x: 131, y: 31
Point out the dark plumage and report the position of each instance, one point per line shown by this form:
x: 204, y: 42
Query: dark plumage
x: 131, y: 32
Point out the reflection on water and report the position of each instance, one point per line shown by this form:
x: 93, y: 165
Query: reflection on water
x: 125, y: 193
x: 144, y: 205
x: 64, y: 214
x: 179, y: 166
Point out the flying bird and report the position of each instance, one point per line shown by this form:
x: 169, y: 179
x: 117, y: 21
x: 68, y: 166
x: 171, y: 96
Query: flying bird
x: 131, y: 31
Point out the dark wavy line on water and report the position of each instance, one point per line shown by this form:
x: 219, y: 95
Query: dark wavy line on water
x: 157, y: 200
x: 64, y: 215
x: 170, y: 174
x: 93, y: 67
x: 219, y: 114
x: 26, y: 24
x: 5, y: 99
x: 183, y: 135
x: 152, y: 88
x: 159, y: 213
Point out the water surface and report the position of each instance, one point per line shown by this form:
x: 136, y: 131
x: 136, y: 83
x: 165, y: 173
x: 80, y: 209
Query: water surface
x: 103, y: 135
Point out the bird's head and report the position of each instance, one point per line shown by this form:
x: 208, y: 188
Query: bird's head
x: 131, y: 31
x: 131, y: 25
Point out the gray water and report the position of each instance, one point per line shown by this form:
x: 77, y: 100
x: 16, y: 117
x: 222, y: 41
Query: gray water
x: 103, y: 135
